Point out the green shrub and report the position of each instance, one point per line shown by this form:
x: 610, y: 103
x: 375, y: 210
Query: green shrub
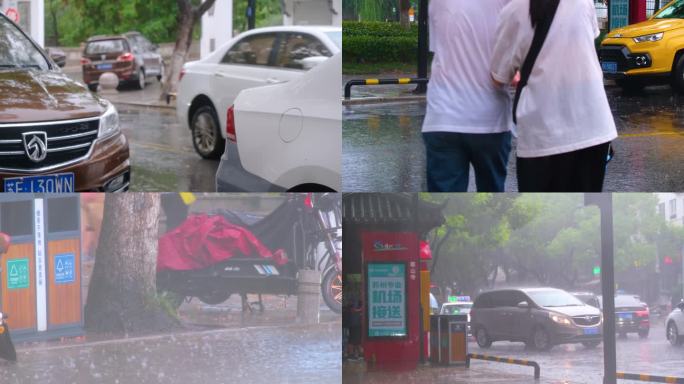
x: 377, y: 42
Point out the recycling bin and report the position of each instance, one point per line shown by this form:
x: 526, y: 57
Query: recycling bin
x: 448, y: 339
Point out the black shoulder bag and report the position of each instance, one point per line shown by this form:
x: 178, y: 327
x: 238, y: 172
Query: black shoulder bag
x: 540, y: 33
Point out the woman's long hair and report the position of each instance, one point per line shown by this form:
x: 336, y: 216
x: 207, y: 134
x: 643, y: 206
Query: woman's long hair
x: 539, y: 10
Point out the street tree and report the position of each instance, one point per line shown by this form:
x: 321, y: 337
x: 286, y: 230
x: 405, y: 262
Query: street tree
x: 404, y: 6
x: 189, y: 12
x: 122, y: 296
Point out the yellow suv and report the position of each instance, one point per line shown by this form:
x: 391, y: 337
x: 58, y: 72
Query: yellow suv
x: 650, y: 52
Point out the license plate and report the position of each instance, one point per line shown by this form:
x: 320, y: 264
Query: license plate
x: 626, y: 316
x: 58, y: 183
x: 104, y: 66
x: 591, y: 331
x: 609, y: 66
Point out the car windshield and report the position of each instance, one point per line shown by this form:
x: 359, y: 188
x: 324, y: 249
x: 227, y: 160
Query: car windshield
x: 16, y: 51
x: 105, y: 46
x: 673, y: 11
x: 336, y: 37
x: 627, y: 301
x: 554, y: 298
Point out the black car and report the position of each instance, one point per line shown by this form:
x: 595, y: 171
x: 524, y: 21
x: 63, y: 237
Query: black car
x: 631, y: 316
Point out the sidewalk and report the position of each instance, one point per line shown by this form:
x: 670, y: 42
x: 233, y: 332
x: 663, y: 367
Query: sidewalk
x: 479, y: 373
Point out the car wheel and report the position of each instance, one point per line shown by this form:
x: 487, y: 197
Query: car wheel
x: 643, y: 334
x: 206, y: 136
x: 541, y: 340
x: 214, y: 298
x: 678, y: 75
x: 141, y: 79
x: 482, y: 338
x: 92, y: 87
x: 673, y: 334
x: 591, y: 344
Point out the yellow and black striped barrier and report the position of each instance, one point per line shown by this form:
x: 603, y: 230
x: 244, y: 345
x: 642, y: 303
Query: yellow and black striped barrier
x: 507, y: 360
x: 406, y: 80
x: 649, y: 378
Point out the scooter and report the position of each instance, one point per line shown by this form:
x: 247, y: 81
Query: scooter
x: 7, y: 350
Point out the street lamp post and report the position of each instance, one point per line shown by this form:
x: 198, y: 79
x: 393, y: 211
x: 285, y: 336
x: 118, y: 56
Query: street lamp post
x: 251, y: 14
x: 604, y: 201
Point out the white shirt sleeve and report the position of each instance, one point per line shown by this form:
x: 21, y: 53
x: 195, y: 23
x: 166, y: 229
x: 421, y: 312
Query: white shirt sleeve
x: 432, y: 33
x: 506, y: 59
x: 593, y: 18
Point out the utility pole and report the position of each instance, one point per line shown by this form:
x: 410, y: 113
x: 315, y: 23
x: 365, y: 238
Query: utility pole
x: 604, y: 201
x: 423, y: 48
x: 251, y: 14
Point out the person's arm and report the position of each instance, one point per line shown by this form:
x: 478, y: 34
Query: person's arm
x: 506, y: 58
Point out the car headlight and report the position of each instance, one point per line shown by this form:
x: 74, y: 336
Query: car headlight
x: 109, y: 122
x: 649, y: 38
x: 560, y: 319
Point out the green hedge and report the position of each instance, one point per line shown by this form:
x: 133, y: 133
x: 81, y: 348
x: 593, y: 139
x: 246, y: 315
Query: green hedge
x: 378, y: 42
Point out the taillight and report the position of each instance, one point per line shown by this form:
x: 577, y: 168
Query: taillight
x: 308, y: 201
x: 643, y: 313
x: 182, y: 73
x: 126, y: 57
x: 85, y: 61
x: 230, y: 125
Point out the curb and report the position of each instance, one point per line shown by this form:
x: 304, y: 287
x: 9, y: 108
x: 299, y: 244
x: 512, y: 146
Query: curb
x: 380, y: 100
x: 144, y: 105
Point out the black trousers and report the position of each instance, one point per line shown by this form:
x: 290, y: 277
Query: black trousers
x: 579, y: 171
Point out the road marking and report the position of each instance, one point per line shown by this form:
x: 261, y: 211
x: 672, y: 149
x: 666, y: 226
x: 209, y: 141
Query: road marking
x: 160, y: 147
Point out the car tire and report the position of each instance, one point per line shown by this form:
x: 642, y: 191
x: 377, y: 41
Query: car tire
x: 92, y: 87
x: 643, y: 334
x: 482, y: 338
x: 140, y: 82
x: 206, y: 134
x: 630, y: 85
x: 678, y: 75
x: 673, y: 334
x: 591, y: 344
x: 214, y: 298
x: 541, y: 340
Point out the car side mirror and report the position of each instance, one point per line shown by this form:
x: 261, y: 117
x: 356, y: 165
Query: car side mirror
x: 312, y: 61
x: 523, y: 305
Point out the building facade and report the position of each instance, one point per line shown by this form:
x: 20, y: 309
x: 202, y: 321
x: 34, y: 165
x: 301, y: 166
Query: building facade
x: 29, y: 14
x: 671, y: 207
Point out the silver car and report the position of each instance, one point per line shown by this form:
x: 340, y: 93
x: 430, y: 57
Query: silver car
x: 675, y: 325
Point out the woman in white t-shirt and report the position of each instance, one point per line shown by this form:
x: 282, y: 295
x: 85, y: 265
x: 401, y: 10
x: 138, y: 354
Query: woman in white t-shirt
x: 565, y: 125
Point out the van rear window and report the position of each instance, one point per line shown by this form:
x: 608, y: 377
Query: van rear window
x: 106, y: 46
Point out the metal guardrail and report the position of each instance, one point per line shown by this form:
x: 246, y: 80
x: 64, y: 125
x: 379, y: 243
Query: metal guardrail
x: 406, y: 80
x: 507, y: 360
x: 649, y: 378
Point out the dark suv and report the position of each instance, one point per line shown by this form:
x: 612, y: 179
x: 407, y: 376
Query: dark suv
x: 539, y: 317
x: 130, y: 56
x: 55, y: 136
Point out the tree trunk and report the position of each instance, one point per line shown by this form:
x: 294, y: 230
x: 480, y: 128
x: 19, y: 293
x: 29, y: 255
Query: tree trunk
x: 404, y: 6
x: 186, y: 20
x: 122, y: 296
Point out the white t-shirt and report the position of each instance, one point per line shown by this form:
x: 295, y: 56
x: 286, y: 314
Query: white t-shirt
x: 564, y: 106
x: 461, y: 96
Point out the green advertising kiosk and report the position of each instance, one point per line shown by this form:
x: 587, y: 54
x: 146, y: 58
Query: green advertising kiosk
x: 40, y: 275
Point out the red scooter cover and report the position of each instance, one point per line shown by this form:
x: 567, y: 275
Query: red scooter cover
x: 203, y: 240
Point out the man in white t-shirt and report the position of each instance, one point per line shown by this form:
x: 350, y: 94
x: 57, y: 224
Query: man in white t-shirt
x: 565, y: 124
x: 468, y: 119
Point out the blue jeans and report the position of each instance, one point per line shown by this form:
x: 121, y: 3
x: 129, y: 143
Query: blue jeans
x: 449, y: 156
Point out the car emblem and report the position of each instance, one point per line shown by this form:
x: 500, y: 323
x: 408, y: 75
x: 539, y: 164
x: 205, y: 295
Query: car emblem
x: 35, y: 145
x: 618, y: 35
x: 588, y: 318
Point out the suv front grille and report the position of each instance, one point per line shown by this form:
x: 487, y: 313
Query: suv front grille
x: 587, y: 320
x: 67, y: 141
x: 618, y: 54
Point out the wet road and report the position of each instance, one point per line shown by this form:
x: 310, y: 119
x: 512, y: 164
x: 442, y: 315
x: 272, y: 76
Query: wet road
x: 383, y: 149
x: 249, y: 355
x: 162, y: 156
x: 571, y: 364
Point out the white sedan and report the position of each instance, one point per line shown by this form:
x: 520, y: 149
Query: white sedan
x: 255, y: 58
x: 286, y: 137
x: 674, y: 325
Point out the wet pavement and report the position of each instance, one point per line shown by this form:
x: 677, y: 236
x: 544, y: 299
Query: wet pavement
x: 383, y: 150
x: 294, y: 354
x: 570, y: 363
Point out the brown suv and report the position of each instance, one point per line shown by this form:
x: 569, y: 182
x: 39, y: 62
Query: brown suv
x: 55, y: 136
x: 130, y: 56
